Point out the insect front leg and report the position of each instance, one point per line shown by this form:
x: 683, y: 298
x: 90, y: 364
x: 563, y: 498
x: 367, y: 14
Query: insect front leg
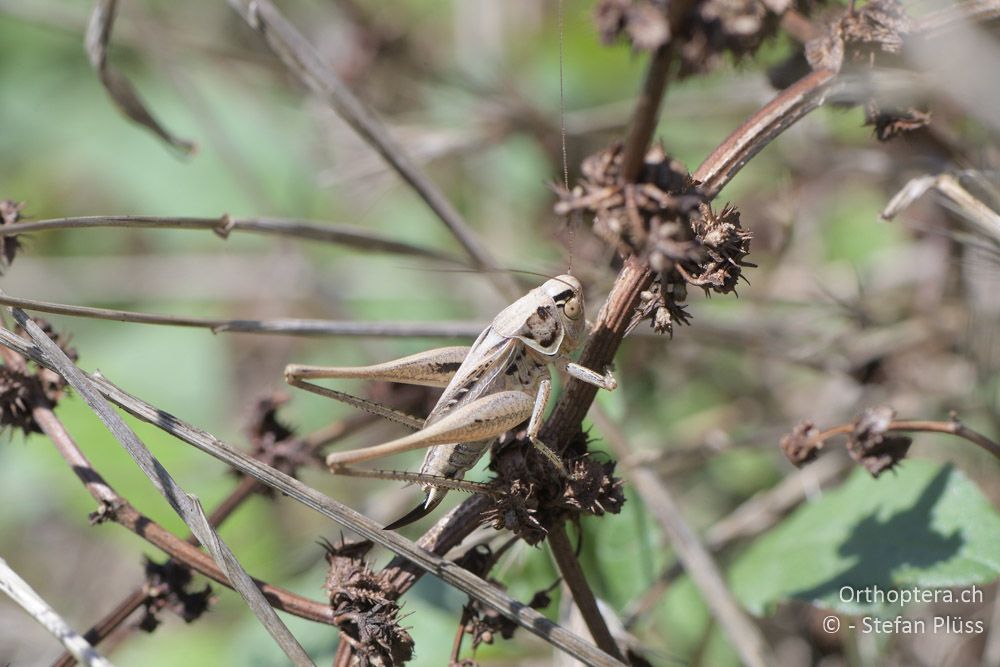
x: 535, y: 425
x: 433, y: 368
x: 584, y: 374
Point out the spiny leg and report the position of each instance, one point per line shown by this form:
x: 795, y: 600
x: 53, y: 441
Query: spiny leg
x: 433, y: 368
x: 535, y: 425
x: 482, y: 419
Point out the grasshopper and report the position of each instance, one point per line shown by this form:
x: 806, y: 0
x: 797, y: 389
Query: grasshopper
x: 490, y: 388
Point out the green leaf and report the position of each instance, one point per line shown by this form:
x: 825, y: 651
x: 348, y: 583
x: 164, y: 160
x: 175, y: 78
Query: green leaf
x: 927, y: 526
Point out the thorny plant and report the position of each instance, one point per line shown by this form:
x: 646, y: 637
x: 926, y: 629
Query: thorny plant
x: 663, y: 228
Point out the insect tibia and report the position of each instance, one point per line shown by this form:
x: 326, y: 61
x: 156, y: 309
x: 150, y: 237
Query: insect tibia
x: 423, y: 479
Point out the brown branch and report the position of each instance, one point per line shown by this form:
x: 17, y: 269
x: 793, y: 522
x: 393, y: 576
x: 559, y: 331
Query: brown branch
x: 602, y: 344
x: 952, y: 427
x: 647, y: 113
x: 583, y: 596
x: 787, y: 108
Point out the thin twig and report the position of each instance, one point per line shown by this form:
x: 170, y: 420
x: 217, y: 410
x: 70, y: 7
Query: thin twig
x: 303, y: 60
x: 952, y: 427
x: 119, y: 88
x: 787, y: 108
x: 284, y: 327
x: 345, y: 235
x: 366, y: 528
x: 579, y: 588
x: 21, y: 593
x: 647, y: 113
x: 745, y: 637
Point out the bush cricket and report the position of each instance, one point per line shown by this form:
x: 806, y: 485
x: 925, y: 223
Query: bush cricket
x: 491, y: 387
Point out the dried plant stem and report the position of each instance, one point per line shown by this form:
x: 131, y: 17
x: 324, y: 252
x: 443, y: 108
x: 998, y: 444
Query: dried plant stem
x: 788, y: 107
x: 745, y: 637
x: 647, y: 113
x: 352, y: 237
x: 305, y: 62
x: 107, y: 625
x: 605, y: 337
x: 19, y: 591
x: 951, y: 427
x: 579, y: 588
x: 285, y: 327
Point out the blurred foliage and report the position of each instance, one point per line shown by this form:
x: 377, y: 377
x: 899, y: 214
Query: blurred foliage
x: 925, y: 527
x: 474, y: 94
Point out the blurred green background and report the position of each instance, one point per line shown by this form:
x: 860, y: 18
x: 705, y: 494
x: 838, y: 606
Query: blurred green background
x: 472, y: 90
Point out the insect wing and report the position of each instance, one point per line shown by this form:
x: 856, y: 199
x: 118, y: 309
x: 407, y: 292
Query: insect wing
x: 489, y: 356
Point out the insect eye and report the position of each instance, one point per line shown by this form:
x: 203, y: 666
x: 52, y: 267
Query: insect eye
x: 573, y: 308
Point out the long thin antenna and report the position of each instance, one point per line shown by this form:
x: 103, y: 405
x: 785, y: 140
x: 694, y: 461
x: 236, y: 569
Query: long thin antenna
x: 562, y: 127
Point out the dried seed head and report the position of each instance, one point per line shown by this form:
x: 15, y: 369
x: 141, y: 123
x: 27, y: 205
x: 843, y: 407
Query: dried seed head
x: 861, y: 35
x: 166, y: 587
x: 642, y: 22
x: 890, y: 123
x: 704, y: 32
x: 532, y: 496
x: 485, y: 623
x: 10, y: 212
x: 16, y: 401
x: 18, y: 387
x: 870, y: 445
x: 800, y: 446
x: 664, y: 219
x: 367, y: 618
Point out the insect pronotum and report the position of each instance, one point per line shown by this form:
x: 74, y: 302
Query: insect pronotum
x: 490, y: 388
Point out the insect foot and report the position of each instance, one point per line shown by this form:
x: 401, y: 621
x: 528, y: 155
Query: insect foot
x: 531, y: 497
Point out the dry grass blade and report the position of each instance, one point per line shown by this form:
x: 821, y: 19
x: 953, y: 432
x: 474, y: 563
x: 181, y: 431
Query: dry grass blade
x: 446, y: 570
x: 188, y: 507
x: 21, y: 593
x: 305, y: 62
x: 120, y: 89
x: 968, y: 204
x: 352, y: 237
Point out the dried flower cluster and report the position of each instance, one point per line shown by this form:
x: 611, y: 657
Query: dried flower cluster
x: 664, y: 219
x: 484, y: 623
x: 367, y: 619
x: 866, y: 37
x: 166, y: 587
x: 10, y: 213
x: 532, y: 496
x: 18, y: 386
x: 872, y: 446
x: 869, y: 444
x: 701, y: 31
